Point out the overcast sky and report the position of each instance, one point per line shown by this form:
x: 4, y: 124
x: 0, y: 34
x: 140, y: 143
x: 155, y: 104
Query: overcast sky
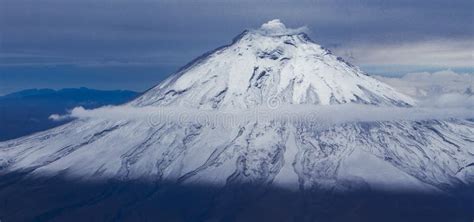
x: 135, y: 44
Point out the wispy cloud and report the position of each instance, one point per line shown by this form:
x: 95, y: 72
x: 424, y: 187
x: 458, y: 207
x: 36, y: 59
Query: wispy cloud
x: 440, y: 89
x: 276, y: 27
x: 426, y: 84
x: 430, y: 53
x: 308, y: 114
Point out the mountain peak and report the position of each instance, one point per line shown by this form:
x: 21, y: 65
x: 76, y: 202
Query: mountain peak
x: 276, y: 28
x: 272, y: 63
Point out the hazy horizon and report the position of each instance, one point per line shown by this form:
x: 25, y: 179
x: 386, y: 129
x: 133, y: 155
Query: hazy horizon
x: 136, y: 44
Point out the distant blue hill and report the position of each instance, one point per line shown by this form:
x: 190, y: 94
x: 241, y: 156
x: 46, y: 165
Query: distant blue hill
x: 27, y: 111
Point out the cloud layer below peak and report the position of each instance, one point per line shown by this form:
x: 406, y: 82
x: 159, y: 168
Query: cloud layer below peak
x: 439, y: 89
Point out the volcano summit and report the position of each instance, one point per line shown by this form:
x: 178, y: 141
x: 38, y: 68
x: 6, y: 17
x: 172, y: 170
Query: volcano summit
x: 271, y: 62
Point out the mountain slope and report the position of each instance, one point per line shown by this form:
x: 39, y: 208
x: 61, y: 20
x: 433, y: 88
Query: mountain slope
x: 252, y: 152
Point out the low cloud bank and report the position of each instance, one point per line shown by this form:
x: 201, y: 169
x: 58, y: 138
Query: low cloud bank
x: 322, y: 115
x: 425, y: 84
x: 442, y: 89
x: 450, y: 100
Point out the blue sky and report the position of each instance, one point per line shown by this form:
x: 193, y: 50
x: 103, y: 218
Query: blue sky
x: 110, y: 44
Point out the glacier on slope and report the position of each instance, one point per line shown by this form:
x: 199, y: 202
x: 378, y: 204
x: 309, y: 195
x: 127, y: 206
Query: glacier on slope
x: 260, y: 68
x: 437, y: 154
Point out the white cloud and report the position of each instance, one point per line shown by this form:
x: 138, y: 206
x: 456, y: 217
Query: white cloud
x: 320, y: 115
x: 276, y: 27
x: 425, y: 84
x: 57, y: 117
x: 430, y: 53
x: 440, y: 89
x: 451, y: 100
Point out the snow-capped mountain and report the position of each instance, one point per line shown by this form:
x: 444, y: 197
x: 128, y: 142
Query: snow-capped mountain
x: 269, y: 66
x: 261, y: 66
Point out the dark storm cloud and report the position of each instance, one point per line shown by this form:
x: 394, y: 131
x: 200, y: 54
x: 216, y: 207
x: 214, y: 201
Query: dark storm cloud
x: 170, y: 33
x: 178, y: 30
